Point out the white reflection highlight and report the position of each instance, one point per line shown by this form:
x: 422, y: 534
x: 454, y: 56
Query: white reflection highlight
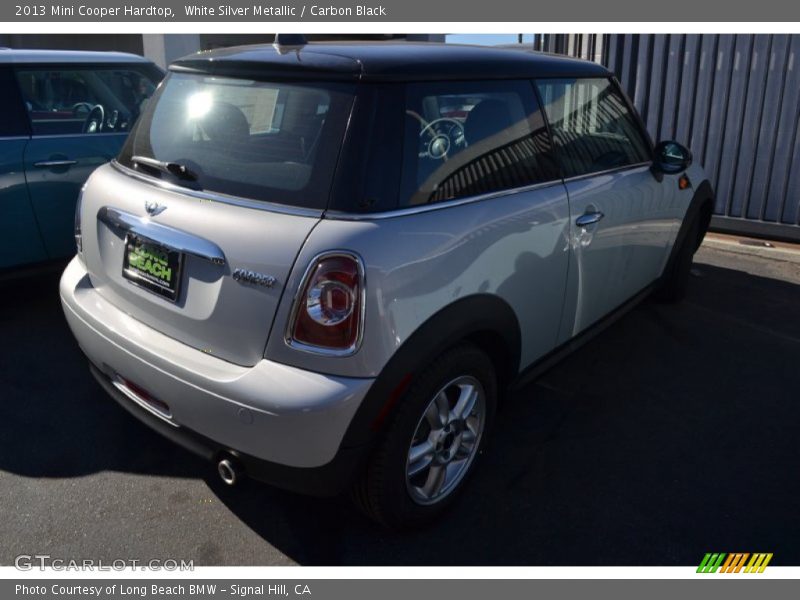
x: 199, y: 104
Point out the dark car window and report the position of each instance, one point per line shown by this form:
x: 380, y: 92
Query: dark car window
x: 13, y: 121
x: 592, y: 127
x: 66, y: 100
x: 470, y: 138
x: 265, y: 141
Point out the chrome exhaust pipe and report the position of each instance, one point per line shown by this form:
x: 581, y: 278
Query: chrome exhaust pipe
x: 229, y: 471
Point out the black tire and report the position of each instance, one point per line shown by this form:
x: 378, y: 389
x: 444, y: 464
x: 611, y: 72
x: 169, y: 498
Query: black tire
x: 676, y: 280
x: 382, y: 493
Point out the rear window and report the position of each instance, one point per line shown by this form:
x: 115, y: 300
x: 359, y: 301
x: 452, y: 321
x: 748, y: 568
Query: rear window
x: 275, y: 142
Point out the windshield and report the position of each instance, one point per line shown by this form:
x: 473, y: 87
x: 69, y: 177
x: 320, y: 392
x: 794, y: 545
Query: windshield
x: 274, y: 142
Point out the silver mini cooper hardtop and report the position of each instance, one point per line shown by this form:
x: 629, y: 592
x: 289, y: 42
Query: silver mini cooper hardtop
x: 323, y: 265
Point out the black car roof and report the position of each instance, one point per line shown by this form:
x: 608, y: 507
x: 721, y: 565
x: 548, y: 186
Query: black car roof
x: 386, y: 61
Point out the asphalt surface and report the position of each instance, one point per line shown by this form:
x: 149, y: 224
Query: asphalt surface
x: 672, y: 434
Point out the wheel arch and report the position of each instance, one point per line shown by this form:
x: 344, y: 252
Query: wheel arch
x: 485, y: 320
x: 701, y: 206
x: 704, y: 200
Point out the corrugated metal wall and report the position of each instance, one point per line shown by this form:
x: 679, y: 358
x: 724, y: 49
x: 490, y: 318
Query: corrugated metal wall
x: 733, y: 99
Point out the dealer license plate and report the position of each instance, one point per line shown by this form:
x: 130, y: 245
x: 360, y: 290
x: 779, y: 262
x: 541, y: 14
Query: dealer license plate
x: 152, y: 266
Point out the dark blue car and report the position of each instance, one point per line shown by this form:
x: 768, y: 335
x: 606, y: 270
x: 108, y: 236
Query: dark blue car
x: 62, y: 114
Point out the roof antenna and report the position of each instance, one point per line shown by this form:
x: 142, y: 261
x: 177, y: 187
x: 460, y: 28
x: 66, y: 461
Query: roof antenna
x: 284, y: 42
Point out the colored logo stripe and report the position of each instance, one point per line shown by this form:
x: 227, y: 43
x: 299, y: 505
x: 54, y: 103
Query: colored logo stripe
x: 711, y: 562
x: 759, y: 561
x: 734, y: 562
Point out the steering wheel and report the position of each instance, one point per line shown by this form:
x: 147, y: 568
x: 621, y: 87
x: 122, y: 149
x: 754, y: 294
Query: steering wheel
x: 79, y: 107
x: 95, y: 119
x: 441, y: 138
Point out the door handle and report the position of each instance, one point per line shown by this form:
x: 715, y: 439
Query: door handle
x: 587, y: 219
x: 49, y: 164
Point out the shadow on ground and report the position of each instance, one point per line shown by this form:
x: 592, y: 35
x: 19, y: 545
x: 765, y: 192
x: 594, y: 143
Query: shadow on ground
x: 672, y: 434
x: 55, y: 421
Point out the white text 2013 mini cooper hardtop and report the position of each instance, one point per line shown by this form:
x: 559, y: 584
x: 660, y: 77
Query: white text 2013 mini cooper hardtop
x: 322, y: 265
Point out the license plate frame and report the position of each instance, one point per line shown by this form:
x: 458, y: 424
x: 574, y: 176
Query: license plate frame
x: 151, y: 261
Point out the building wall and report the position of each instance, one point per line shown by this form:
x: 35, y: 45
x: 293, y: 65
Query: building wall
x: 733, y: 99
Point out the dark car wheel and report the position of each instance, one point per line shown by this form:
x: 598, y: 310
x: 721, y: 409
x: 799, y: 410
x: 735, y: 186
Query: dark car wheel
x: 430, y: 447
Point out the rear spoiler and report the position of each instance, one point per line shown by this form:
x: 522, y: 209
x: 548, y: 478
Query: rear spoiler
x: 296, y: 62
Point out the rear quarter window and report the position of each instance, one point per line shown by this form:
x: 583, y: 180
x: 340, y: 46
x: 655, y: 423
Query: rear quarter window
x: 471, y: 138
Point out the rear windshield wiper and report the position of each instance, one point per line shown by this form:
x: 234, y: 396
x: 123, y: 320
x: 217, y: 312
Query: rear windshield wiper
x: 175, y: 169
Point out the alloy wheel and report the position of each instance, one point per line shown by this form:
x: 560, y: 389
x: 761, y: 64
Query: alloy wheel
x: 446, y: 440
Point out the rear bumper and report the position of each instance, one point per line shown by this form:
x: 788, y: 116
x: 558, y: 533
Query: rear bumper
x: 327, y: 480
x: 285, y: 424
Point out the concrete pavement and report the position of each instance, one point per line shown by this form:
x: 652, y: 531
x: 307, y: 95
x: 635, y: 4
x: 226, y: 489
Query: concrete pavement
x: 672, y: 434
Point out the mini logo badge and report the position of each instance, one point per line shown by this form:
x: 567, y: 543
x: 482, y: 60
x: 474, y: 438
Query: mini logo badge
x: 251, y: 277
x: 154, y: 208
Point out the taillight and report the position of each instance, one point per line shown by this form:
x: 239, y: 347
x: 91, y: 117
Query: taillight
x: 328, y: 313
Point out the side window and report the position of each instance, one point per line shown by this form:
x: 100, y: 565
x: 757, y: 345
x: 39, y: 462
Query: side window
x: 13, y: 121
x: 469, y: 138
x: 593, y: 130
x: 74, y: 100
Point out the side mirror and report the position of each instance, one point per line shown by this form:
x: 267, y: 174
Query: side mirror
x: 671, y: 158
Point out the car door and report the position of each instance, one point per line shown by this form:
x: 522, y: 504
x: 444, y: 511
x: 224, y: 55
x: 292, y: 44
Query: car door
x: 620, y: 214
x: 20, y: 242
x: 79, y: 117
